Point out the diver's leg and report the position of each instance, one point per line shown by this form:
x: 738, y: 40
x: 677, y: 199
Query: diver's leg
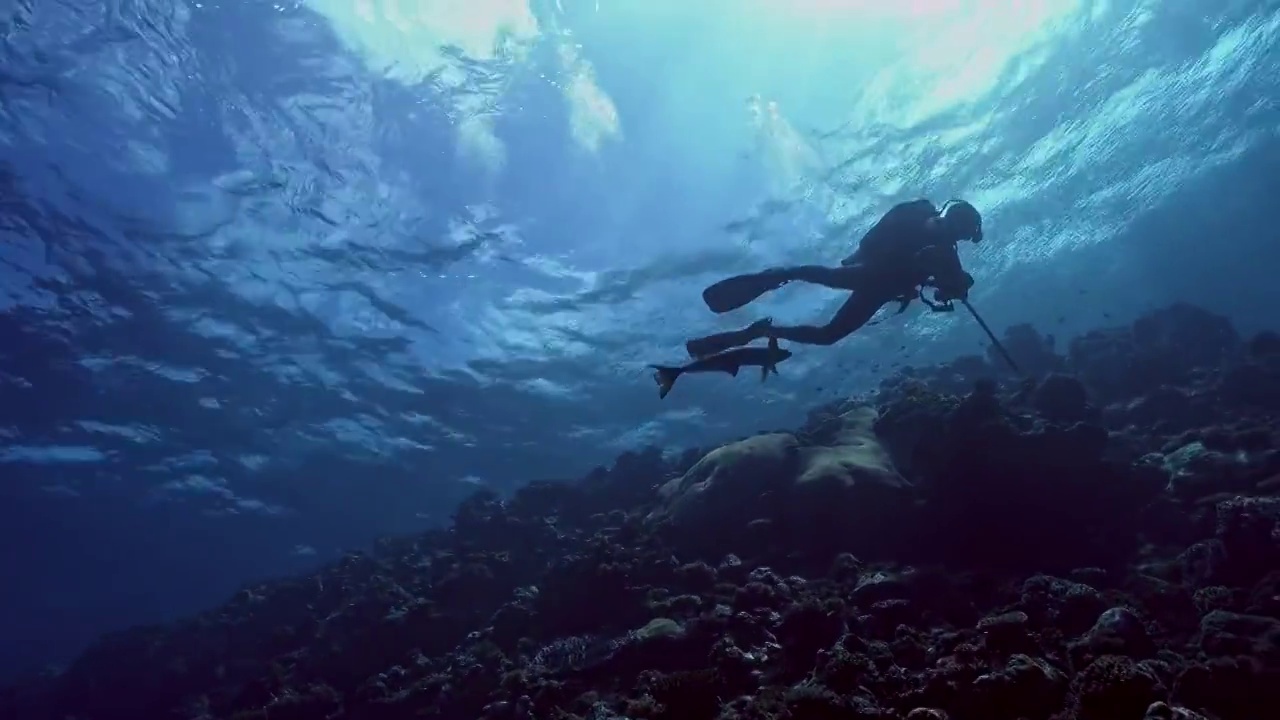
x: 842, y: 277
x: 855, y: 313
x: 719, y: 342
x: 739, y: 290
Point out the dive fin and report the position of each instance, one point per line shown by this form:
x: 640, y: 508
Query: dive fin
x: 665, y: 377
x: 732, y: 293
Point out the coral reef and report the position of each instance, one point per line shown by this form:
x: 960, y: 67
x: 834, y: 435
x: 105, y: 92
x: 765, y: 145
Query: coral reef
x: 1099, y: 540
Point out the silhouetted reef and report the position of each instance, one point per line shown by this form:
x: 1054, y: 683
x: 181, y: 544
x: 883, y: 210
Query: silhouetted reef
x: 1099, y: 541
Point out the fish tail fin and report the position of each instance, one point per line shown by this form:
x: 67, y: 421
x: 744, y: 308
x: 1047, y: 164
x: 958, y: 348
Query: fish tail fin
x: 665, y: 376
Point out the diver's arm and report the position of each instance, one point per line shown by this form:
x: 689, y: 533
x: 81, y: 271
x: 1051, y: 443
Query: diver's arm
x: 939, y: 303
x: 949, y: 276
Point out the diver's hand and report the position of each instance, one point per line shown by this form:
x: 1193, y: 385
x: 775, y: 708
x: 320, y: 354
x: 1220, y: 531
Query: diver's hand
x: 939, y: 305
x: 957, y: 289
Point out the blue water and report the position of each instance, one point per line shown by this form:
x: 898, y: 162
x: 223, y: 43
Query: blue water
x: 278, y: 278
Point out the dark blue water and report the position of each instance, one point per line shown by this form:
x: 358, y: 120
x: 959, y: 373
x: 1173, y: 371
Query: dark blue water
x: 280, y: 278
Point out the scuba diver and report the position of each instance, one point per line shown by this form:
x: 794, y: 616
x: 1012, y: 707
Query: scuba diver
x: 911, y: 247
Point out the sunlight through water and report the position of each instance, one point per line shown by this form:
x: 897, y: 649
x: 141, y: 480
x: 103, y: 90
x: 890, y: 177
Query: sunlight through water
x: 336, y: 263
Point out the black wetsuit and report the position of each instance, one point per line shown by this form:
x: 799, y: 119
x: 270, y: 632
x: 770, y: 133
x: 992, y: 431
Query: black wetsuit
x: 901, y: 252
x: 904, y: 249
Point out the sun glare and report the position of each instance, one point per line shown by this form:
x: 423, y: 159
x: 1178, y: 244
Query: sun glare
x: 916, y: 15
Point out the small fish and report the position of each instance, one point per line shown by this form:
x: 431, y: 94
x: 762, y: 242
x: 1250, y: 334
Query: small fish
x: 729, y: 361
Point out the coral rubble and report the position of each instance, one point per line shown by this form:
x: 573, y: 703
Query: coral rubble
x: 1098, y: 541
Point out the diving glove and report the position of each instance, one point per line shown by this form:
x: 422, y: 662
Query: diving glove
x: 957, y: 290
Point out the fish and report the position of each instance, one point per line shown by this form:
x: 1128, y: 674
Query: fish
x: 729, y: 361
